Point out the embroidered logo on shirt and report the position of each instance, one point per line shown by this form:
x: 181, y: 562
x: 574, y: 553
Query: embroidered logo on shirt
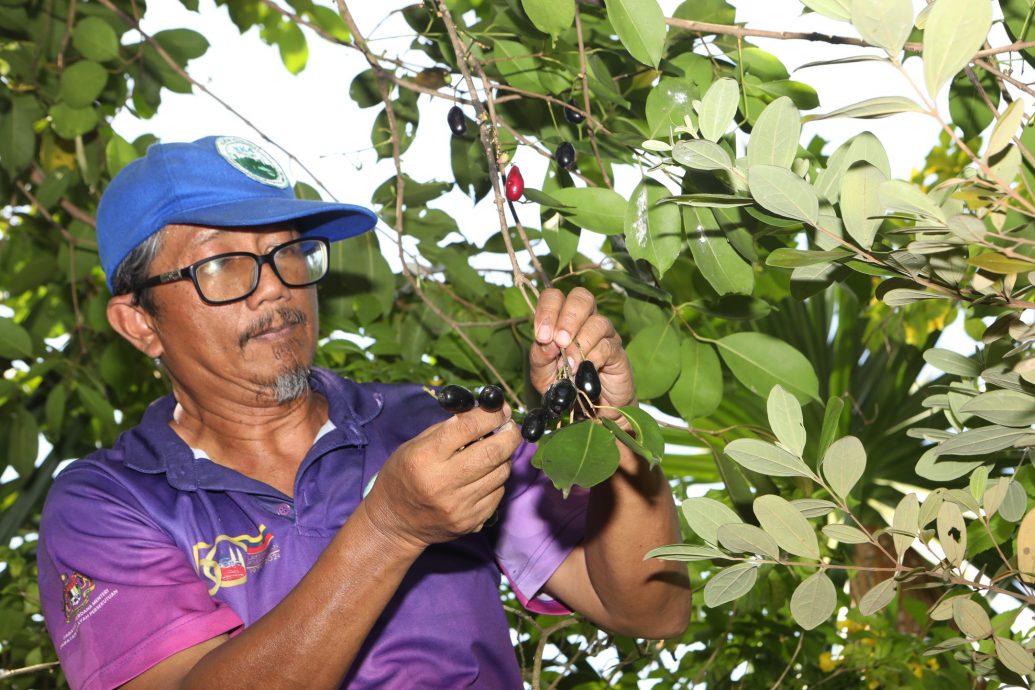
x: 228, y: 561
x: 77, y: 593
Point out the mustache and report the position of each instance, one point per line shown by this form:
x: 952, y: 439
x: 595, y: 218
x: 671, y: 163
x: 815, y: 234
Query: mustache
x: 270, y: 322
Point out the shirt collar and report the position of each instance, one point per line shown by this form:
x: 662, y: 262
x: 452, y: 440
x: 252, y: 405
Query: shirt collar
x: 152, y: 447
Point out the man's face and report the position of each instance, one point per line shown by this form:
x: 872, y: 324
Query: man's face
x: 261, y: 345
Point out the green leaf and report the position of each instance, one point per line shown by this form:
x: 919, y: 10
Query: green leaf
x: 705, y: 515
x: 17, y: 138
x: 640, y: 25
x: 669, y: 104
x: 902, y: 196
x: 954, y: 31
x: 647, y: 432
x: 23, y: 442
x: 653, y: 231
x: 582, y: 454
x: 879, y: 596
x: 1014, y: 656
x: 971, y: 618
x: 813, y: 507
x: 730, y: 583
x: 515, y: 62
x: 1015, y: 503
x: 785, y: 257
x: 861, y: 208
x: 550, y: 16
x: 718, y: 107
x: 119, y: 153
x: 780, y: 191
x: 884, y: 23
x: 906, y: 519
x: 900, y: 297
x: 846, y: 534
x: 766, y: 458
x: 594, y: 208
x: 701, y: 154
x: 698, y: 390
x: 744, y: 538
x: 70, y: 123
x: 82, y: 83
x: 813, y: 601
x: 785, y: 419
x: 15, y: 342
x: 831, y: 418
x: 1004, y: 407
x: 760, y: 361
x: 787, y: 526
x: 997, y: 263
x: 952, y: 532
x: 363, y: 89
x: 1006, y: 128
x: 95, y: 39
x: 844, y: 464
x: 952, y: 362
x: 685, y: 552
x: 720, y: 264
x: 651, y: 355
x: 987, y: 439
x: 871, y: 109
x: 835, y: 9
x: 993, y: 496
x: 54, y: 410
x: 774, y: 137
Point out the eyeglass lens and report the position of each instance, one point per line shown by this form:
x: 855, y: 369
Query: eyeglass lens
x: 227, y: 278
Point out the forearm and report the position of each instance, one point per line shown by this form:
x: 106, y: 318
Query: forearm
x: 312, y: 636
x: 630, y: 514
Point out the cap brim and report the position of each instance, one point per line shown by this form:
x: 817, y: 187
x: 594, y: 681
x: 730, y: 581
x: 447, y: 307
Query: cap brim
x: 331, y: 220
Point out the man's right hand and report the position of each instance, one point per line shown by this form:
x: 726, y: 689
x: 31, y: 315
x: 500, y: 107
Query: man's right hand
x: 446, y: 482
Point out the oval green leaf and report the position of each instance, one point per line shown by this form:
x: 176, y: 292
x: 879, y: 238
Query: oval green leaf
x: 730, y: 583
x: 883, y: 23
x: 698, y: 390
x: 760, y: 361
x: 954, y: 31
x: 651, y: 353
x: 640, y: 25
x: 701, y: 154
x: 952, y: 362
x: 780, y: 191
x: 844, y: 464
x: 787, y: 526
x: 584, y: 454
x: 15, y: 341
x: 775, y: 135
x: 593, y: 208
x: 82, y: 83
x: 550, y: 16
x: 653, y: 231
x: 95, y: 39
x: 766, y: 458
x: 744, y: 538
x: 905, y: 520
x: 719, y: 263
x: 813, y: 601
x: 718, y: 107
x: 878, y: 597
x: 1004, y: 407
x: 846, y: 534
x: 785, y: 419
x: 705, y: 515
x: 861, y: 208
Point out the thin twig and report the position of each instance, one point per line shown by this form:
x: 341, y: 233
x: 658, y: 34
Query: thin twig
x: 584, y: 74
x: 790, y: 664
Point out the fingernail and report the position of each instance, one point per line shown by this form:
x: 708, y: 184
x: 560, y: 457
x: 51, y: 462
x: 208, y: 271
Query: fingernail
x: 563, y: 338
x: 545, y: 333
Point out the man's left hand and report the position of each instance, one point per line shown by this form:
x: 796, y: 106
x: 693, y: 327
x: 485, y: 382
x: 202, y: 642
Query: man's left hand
x: 571, y: 325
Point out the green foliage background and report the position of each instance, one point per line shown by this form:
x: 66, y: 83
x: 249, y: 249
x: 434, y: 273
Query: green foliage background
x: 754, y: 277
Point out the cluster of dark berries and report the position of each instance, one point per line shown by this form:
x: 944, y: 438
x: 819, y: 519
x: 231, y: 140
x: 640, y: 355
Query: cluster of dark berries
x: 560, y: 398
x: 457, y: 399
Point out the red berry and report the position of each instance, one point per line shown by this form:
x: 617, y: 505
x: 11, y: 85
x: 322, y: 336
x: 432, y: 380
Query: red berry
x: 515, y: 184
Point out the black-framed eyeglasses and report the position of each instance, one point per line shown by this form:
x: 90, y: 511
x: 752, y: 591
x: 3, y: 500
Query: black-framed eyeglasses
x: 233, y: 276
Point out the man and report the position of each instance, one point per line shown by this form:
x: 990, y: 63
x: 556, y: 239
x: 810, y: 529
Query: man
x: 273, y: 525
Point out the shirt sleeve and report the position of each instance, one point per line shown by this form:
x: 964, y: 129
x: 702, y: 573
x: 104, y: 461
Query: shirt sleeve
x: 118, y: 595
x: 538, y: 528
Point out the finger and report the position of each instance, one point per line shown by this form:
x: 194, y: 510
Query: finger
x: 606, y: 353
x: 546, y: 312
x: 595, y: 329
x: 467, y: 427
x: 485, y: 456
x: 578, y: 307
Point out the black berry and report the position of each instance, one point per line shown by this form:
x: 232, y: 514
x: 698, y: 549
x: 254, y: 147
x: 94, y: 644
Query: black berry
x: 457, y: 121
x: 587, y: 380
x: 534, y: 425
x: 565, y: 155
x: 560, y: 397
x: 455, y: 399
x: 490, y: 398
x: 572, y: 115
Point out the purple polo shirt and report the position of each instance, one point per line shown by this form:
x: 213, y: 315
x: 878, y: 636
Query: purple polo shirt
x: 147, y: 549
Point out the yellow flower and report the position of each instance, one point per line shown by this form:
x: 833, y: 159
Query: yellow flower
x: 827, y: 662
x: 917, y: 669
x: 933, y: 664
x: 873, y: 684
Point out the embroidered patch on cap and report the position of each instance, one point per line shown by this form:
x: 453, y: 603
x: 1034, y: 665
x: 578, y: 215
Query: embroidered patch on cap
x: 252, y: 161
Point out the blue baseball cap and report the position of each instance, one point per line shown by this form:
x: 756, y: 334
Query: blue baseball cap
x: 217, y: 182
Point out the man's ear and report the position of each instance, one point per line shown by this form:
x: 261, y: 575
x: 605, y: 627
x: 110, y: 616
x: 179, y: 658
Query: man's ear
x: 134, y: 324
